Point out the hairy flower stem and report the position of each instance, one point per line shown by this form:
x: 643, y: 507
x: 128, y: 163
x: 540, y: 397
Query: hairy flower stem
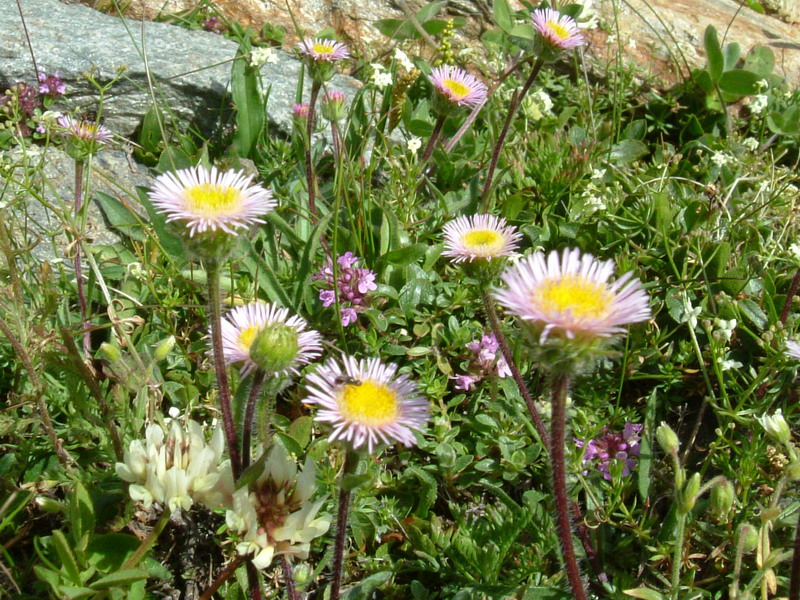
x: 560, y: 385
x: 523, y: 389
x: 350, y: 464
x: 148, y: 542
x: 250, y: 415
x: 253, y: 581
x: 226, y: 574
x: 310, y: 177
x: 435, y: 135
x: 87, y: 342
x: 677, y: 556
x: 512, y: 111
x: 794, y: 582
x: 223, y: 389
x: 288, y: 579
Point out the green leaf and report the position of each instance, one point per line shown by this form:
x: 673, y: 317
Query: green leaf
x: 307, y: 258
x: 266, y: 279
x: 121, y: 217
x: 250, y: 111
x: 363, y: 590
x: 645, y: 594
x: 732, y: 53
x: 414, y: 293
x: 753, y: 312
x: 646, y: 445
x: 426, y: 493
x: 502, y: 15
x: 352, y: 481
x: 72, y: 593
x: 171, y: 243
x: 405, y: 256
x: 300, y: 430
x: 760, y: 60
x: 120, y: 578
x: 739, y: 82
x: 628, y: 150
x: 68, y: 561
x: 786, y: 123
x: 80, y: 512
x: 252, y: 472
x: 150, y: 137
x: 716, y: 62
x: 108, y: 552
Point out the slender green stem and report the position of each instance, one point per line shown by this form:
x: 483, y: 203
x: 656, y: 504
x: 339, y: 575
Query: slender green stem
x: 350, y: 464
x: 87, y: 342
x: 223, y: 389
x: 794, y: 581
x: 509, y: 358
x: 148, y: 541
x: 435, y: 135
x: 512, y: 111
x: 733, y: 590
x: 677, y: 556
x: 250, y: 415
x: 560, y: 386
x: 310, y: 177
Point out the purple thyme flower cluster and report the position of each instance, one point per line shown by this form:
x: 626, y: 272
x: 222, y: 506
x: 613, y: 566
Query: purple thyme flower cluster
x: 352, y: 283
x: 214, y: 24
x: 51, y: 85
x: 610, y: 446
x: 487, y: 360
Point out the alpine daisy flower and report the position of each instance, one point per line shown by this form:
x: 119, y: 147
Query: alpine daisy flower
x: 559, y: 32
x: 178, y: 468
x: 457, y: 87
x: 319, y: 49
x: 263, y: 335
x: 275, y: 514
x: 84, y: 130
x: 366, y: 402
x: 570, y: 296
x: 210, y: 200
x: 479, y: 237
x: 793, y: 350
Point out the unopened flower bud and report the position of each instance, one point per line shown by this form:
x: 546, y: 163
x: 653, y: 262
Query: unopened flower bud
x: 776, y: 427
x: 333, y: 106
x: 49, y: 504
x: 110, y: 352
x: 749, y: 537
x: 667, y: 439
x: 689, y: 493
x: 722, y: 499
x: 164, y: 348
x: 793, y: 470
x: 275, y: 347
x: 302, y: 575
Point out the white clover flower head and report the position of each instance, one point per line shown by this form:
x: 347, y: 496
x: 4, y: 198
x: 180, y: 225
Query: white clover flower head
x: 367, y: 403
x: 569, y: 295
x: 275, y: 515
x: 177, y: 468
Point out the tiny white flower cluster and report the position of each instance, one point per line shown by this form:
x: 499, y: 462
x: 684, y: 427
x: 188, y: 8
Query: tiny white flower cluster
x: 723, y: 330
x: 263, y: 56
x: 414, y: 143
x: 178, y: 468
x: 758, y: 104
x: 721, y: 159
x: 403, y: 60
x: 381, y: 78
x: 751, y: 144
x: 537, y: 106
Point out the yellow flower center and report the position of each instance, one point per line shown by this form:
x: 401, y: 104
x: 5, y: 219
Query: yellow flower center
x: 369, y: 404
x: 558, y: 29
x: 246, y: 338
x: 211, y: 200
x: 484, y: 241
x: 458, y: 89
x: 322, y: 48
x: 582, y: 298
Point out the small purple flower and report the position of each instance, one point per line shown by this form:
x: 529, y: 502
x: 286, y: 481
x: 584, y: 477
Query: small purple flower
x: 610, y: 446
x: 300, y: 111
x: 214, y: 24
x: 51, y: 85
x: 487, y: 360
x: 353, y: 285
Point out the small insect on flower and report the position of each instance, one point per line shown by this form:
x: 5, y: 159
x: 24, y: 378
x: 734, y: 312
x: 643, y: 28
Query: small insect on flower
x: 346, y: 380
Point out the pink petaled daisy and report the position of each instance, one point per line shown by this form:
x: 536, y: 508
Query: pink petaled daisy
x: 210, y: 200
x: 458, y: 86
x: 320, y: 49
x: 483, y: 237
x: 570, y: 295
x: 793, y: 350
x: 83, y: 130
x: 559, y: 31
x: 366, y: 402
x: 287, y: 343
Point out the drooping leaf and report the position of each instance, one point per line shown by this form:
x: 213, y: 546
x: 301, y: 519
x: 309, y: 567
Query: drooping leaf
x: 716, y: 62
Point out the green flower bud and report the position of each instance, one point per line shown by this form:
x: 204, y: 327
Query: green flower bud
x: 793, y: 470
x: 689, y: 493
x: 302, y: 575
x: 275, y: 348
x: 776, y: 427
x: 667, y: 439
x: 749, y: 537
x: 722, y: 499
x: 164, y: 348
x: 110, y: 353
x: 49, y: 504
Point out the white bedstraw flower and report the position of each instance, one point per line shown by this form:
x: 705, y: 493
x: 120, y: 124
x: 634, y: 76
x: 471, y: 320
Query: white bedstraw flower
x: 367, y: 403
x: 275, y: 515
x: 403, y: 60
x: 380, y: 77
x: 262, y: 56
x: 751, y: 144
x: 178, y: 468
x: 414, y: 143
x: 721, y: 159
x: 758, y: 104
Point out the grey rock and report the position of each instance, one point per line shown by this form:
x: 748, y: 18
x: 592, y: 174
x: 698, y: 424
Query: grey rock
x: 40, y: 185
x: 189, y: 70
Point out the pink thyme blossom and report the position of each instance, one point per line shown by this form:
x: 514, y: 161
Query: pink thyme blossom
x: 610, y: 446
x: 51, y: 85
x: 487, y: 360
x: 214, y: 24
x: 353, y: 285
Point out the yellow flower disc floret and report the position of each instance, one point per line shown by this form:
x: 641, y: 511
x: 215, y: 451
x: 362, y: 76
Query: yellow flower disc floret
x: 558, y: 29
x: 210, y: 200
x: 484, y: 241
x: 459, y: 89
x: 582, y: 298
x: 321, y: 48
x: 246, y: 337
x: 369, y: 404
